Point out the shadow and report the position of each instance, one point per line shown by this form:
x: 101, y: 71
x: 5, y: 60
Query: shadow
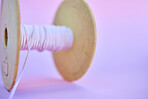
x: 51, y: 88
x: 45, y: 84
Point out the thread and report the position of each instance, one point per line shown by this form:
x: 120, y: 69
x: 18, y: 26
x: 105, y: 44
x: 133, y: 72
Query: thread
x: 34, y: 37
x: 52, y: 38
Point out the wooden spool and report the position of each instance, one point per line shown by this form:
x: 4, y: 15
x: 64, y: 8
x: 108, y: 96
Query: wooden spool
x: 72, y: 64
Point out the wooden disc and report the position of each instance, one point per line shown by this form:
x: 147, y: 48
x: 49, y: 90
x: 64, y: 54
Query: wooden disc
x: 9, y: 41
x: 73, y: 63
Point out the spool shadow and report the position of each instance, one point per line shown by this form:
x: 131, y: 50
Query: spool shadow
x: 51, y: 88
x: 44, y: 83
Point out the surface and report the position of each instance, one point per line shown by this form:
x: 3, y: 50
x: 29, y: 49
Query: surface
x: 119, y: 69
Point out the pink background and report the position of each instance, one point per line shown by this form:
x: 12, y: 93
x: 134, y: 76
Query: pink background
x: 120, y: 66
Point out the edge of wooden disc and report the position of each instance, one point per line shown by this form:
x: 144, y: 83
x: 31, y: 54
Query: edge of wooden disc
x: 72, y: 64
x: 10, y: 21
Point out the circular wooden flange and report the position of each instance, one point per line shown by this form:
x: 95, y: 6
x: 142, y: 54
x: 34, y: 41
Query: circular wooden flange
x: 72, y: 64
x: 9, y: 41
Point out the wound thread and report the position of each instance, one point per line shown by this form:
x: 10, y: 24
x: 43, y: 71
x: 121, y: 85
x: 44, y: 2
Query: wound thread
x: 52, y: 38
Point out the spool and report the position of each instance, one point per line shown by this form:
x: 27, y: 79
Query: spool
x: 72, y: 64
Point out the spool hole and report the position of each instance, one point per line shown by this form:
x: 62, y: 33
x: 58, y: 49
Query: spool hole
x: 6, y: 37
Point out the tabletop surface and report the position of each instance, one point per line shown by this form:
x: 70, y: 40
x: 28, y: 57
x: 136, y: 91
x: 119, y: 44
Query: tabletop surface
x: 120, y: 65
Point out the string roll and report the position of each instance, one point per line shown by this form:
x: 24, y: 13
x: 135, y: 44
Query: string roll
x: 52, y: 38
x: 72, y: 64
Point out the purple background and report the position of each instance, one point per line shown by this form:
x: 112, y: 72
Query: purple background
x: 120, y: 66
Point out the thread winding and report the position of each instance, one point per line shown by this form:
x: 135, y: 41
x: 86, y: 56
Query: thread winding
x: 52, y: 38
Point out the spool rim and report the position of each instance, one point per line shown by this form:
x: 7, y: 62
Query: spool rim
x: 10, y: 44
x: 67, y: 7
